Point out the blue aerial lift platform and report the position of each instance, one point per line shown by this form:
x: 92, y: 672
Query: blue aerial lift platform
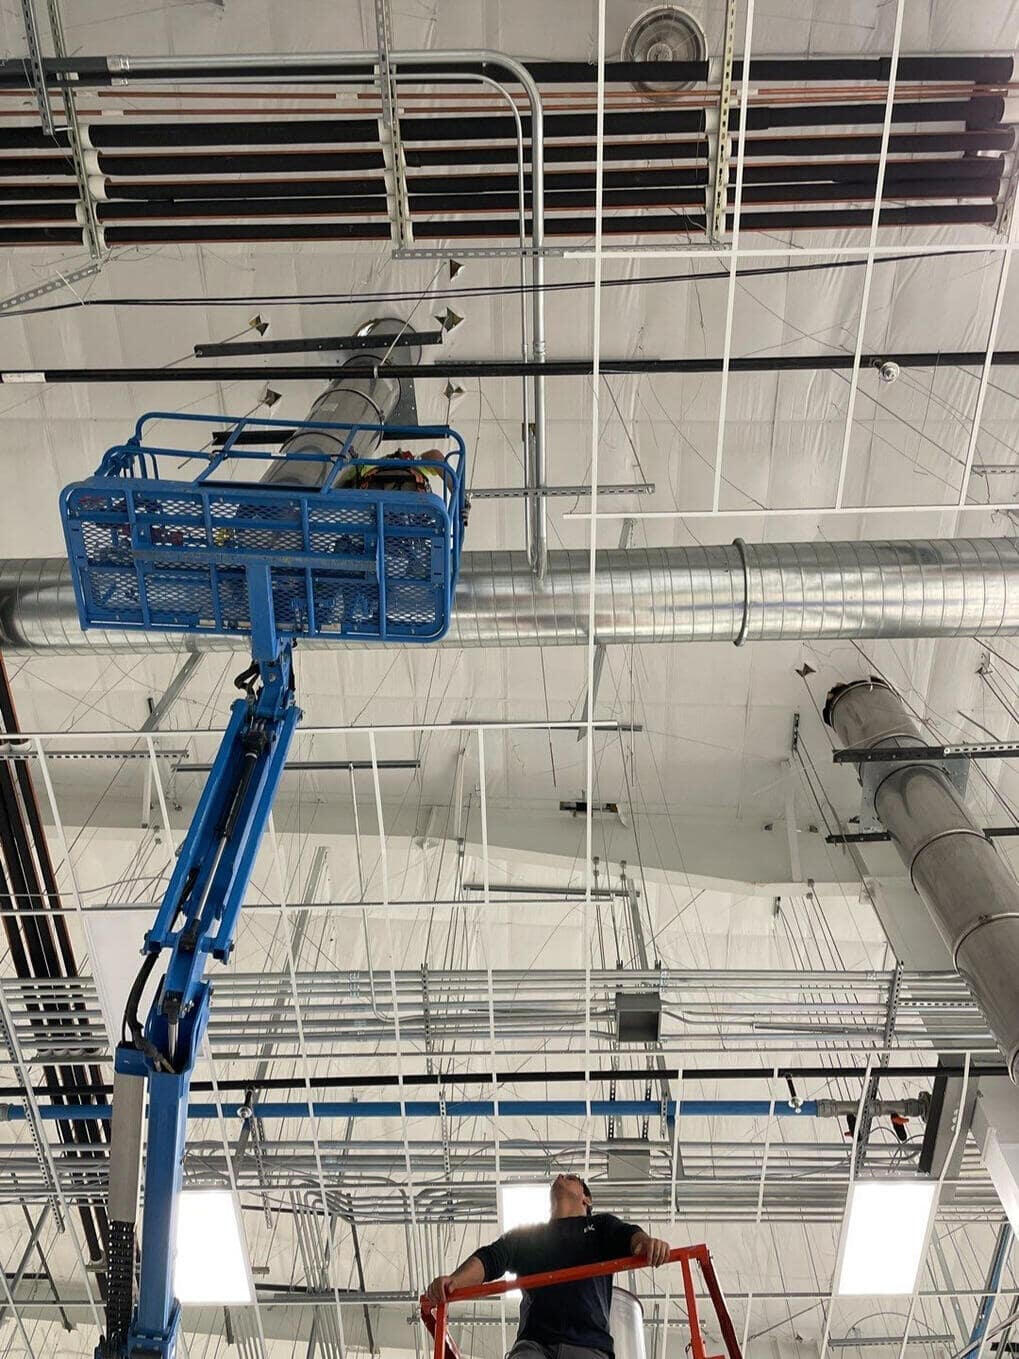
x: 273, y: 563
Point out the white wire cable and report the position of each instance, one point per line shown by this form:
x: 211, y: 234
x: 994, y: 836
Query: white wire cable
x: 673, y: 1180
x: 305, y: 1059
x: 486, y: 899
x: 921, y: 1264
x: 730, y: 300
x: 868, y: 273
x: 599, y: 197
x: 857, y: 1126
x: 384, y: 877
x: 232, y: 1177
x: 985, y: 374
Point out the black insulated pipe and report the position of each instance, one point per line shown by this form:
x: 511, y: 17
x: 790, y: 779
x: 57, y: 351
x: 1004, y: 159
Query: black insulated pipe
x: 508, y: 368
x: 960, y: 173
x: 982, y: 111
x: 368, y: 230
x: 104, y: 136
x: 456, y: 185
x: 345, y: 161
x: 238, y: 209
x: 90, y: 71
x: 979, y: 112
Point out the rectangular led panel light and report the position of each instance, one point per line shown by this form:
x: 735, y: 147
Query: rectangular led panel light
x: 883, y: 1236
x: 212, y: 1261
x: 522, y: 1204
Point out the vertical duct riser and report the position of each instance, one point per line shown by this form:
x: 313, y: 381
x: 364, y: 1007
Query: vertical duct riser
x: 363, y: 395
x: 968, y: 888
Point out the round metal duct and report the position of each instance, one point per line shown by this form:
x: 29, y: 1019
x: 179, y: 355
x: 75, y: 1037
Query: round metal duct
x: 626, y: 1323
x: 664, y: 33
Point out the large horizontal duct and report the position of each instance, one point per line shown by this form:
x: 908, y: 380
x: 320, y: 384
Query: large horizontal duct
x: 733, y: 592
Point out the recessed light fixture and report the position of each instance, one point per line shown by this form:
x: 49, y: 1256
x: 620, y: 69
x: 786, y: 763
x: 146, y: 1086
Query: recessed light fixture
x: 212, y: 1261
x: 884, y: 1235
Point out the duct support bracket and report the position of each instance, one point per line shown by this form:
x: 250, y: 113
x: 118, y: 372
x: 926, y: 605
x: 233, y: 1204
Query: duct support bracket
x: 720, y: 195
x: 87, y: 219
x: 869, y: 1106
x: 874, y: 772
x: 51, y: 285
x: 394, y: 165
x: 479, y: 252
x: 35, y: 68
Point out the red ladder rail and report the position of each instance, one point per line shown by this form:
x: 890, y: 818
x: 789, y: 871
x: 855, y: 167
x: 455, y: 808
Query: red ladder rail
x: 434, y: 1315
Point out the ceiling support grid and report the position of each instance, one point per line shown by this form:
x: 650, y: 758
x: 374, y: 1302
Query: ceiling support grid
x: 868, y: 274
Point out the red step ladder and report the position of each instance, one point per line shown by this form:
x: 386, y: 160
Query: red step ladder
x: 434, y: 1314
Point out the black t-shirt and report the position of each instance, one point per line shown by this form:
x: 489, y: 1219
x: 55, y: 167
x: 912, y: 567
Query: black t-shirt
x: 562, y: 1314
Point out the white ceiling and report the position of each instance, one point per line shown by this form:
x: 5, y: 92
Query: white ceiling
x: 706, y: 775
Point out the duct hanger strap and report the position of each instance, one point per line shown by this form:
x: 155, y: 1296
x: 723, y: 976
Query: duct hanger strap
x: 741, y: 548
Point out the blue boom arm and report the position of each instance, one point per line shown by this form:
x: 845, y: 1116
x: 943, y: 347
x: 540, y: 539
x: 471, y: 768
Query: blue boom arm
x: 272, y: 562
x: 197, y: 920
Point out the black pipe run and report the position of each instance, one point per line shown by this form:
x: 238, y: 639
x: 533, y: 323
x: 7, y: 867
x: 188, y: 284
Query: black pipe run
x: 346, y: 161
x: 495, y: 203
x: 510, y: 368
x: 94, y: 72
x: 233, y: 208
x: 576, y: 1075
x: 473, y: 186
x: 977, y: 113
x: 454, y: 229
x: 227, y: 203
x: 461, y: 207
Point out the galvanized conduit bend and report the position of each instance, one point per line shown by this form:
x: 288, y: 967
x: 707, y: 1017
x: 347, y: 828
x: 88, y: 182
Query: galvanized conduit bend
x: 720, y: 593
x: 483, y: 58
x: 967, y: 886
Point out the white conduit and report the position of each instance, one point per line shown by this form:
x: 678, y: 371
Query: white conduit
x: 737, y: 592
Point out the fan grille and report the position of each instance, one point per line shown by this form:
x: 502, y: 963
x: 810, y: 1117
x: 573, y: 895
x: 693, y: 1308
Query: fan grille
x: 664, y: 33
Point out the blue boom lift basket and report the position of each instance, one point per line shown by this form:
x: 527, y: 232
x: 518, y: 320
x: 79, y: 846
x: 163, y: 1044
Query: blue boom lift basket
x: 190, y: 556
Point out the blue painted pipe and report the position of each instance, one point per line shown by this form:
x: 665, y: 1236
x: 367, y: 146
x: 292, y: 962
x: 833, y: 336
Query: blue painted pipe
x: 1001, y: 1252
x: 467, y: 1108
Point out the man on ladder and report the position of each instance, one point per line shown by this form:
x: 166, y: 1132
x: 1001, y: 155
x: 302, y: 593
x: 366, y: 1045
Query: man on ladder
x: 559, y: 1321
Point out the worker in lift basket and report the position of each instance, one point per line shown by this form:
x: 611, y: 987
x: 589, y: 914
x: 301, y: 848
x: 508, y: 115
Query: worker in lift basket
x: 560, y: 1321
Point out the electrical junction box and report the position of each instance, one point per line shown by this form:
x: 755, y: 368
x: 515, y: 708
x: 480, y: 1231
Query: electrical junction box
x: 638, y: 1016
x: 628, y: 1163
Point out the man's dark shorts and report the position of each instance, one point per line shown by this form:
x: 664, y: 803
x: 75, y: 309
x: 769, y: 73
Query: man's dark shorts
x: 530, y: 1349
